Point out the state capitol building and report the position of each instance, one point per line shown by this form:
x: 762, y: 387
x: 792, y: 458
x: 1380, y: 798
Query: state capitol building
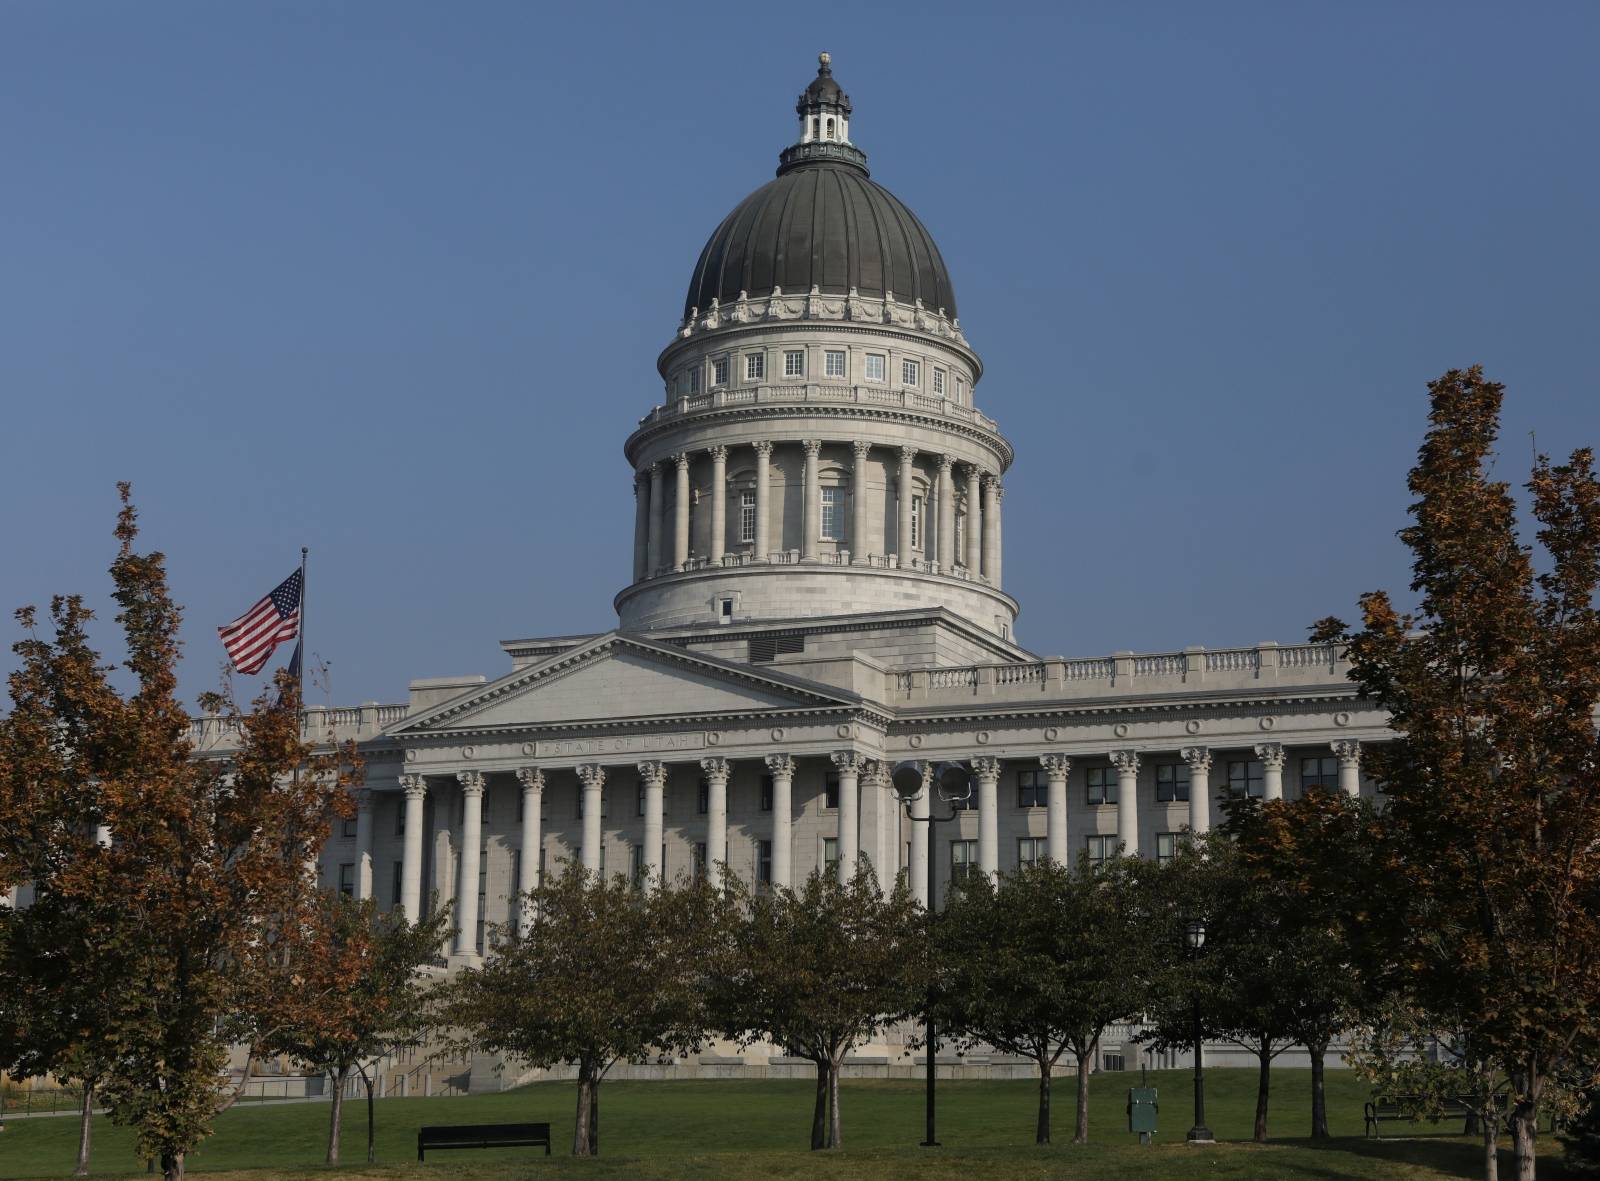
x: 818, y: 593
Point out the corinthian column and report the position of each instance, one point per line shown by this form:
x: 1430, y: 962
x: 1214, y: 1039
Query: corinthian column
x: 974, y: 536
x: 848, y: 764
x: 680, y: 514
x: 991, y: 530
x: 763, y: 542
x: 947, y: 514
x: 908, y: 457
x: 858, y: 504
x: 532, y: 780
x: 813, y: 505
x: 1056, y: 767
x: 781, y: 768
x: 641, y: 525
x: 1199, y: 760
x: 471, y: 842
x: 988, y: 772
x: 654, y: 774
x: 1272, y: 758
x: 999, y: 535
x: 1127, y: 764
x: 416, y: 789
x: 363, y: 844
x: 719, y: 503
x: 716, y: 773
x: 593, y: 777
x: 658, y: 511
x: 1349, y: 755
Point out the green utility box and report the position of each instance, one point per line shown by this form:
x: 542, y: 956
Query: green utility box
x: 1142, y: 1109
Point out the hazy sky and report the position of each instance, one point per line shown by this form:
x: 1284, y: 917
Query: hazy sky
x: 389, y: 280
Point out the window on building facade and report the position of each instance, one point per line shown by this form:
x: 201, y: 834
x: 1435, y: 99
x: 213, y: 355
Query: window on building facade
x: 755, y: 366
x: 397, y: 885
x: 830, y: 856
x: 794, y: 363
x: 483, y: 895
x: 764, y: 862
x: 830, y: 790
x: 1166, y: 847
x: 641, y: 798
x: 1172, y: 782
x: 1031, y: 851
x: 910, y: 372
x: 963, y: 860
x: 694, y: 380
x: 347, y: 828
x: 833, y: 363
x: 1319, y: 773
x: 766, y: 793
x: 938, y: 382
x: 830, y: 514
x: 719, y: 371
x: 703, y: 797
x: 961, y: 391
x: 1033, y: 789
x: 747, y: 517
x: 636, y: 865
x: 1100, y: 848
x: 347, y: 880
x: 916, y: 522
x: 1245, y: 779
x: 400, y: 819
x: 1102, y: 785
x: 875, y: 366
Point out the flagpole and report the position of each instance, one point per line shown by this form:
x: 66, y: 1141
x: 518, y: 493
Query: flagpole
x: 302, y: 645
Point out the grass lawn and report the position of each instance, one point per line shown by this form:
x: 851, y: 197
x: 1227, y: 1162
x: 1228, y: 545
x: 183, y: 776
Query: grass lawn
x: 736, y: 1129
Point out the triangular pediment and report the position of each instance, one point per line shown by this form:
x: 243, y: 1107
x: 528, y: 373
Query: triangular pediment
x: 619, y: 678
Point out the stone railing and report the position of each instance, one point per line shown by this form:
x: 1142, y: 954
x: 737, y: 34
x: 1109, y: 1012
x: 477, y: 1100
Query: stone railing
x: 803, y: 392
x: 778, y: 306
x: 319, y: 724
x: 1222, y: 668
x: 843, y: 557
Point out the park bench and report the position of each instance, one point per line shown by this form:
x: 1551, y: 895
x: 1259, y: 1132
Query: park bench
x: 1399, y: 1107
x: 483, y: 1136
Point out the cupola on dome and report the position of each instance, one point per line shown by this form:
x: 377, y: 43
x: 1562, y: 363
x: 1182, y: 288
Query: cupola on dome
x: 822, y: 225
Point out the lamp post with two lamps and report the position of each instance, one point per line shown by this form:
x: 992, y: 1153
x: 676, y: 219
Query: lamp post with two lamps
x: 952, y: 782
x: 1194, y: 938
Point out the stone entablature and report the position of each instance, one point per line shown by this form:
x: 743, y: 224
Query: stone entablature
x: 777, y: 306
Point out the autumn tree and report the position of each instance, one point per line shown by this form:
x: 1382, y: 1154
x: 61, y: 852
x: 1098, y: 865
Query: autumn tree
x: 364, y: 967
x: 604, y: 972
x: 1493, y: 780
x: 207, y: 873
x: 1042, y: 962
x: 820, y: 970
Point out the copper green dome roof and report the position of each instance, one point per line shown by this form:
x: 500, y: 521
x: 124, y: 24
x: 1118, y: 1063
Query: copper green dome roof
x: 822, y: 223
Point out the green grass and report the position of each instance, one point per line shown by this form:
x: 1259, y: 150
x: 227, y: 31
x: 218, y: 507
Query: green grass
x: 737, y: 1129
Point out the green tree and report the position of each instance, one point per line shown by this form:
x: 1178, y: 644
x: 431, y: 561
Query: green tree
x: 364, y: 968
x: 604, y: 972
x: 1493, y: 781
x: 820, y: 970
x: 1042, y: 962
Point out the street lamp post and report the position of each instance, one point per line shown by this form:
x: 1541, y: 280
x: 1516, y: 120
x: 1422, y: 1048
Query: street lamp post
x: 953, y: 783
x: 1195, y: 940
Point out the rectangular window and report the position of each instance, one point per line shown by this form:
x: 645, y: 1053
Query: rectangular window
x: 641, y: 798
x: 875, y: 366
x: 1166, y: 847
x: 1245, y: 779
x: 347, y: 880
x: 703, y: 798
x: 1033, y: 789
x: 830, y: 514
x: 1319, y: 773
x: 961, y: 391
x: 833, y: 363
x: 1172, y: 783
x: 1031, y: 851
x: 636, y: 865
x: 910, y: 372
x: 694, y: 380
x: 747, y: 518
x: 963, y: 860
x: 719, y: 371
x: 699, y: 859
x: 916, y: 522
x: 347, y: 828
x: 766, y: 793
x: 398, y: 885
x: 830, y: 790
x: 755, y: 366
x: 938, y: 382
x: 1102, y: 785
x: 400, y: 818
x: 794, y: 363
x: 830, y: 856
x: 1100, y: 848
x: 764, y: 862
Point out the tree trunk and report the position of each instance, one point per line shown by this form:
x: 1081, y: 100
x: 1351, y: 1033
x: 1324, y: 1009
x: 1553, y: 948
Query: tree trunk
x: 819, y: 1114
x: 835, y: 1130
x: 1489, y: 1125
x: 84, y: 1131
x: 1080, y: 1134
x: 367, y: 1079
x: 594, y: 1115
x: 1319, y: 1092
x: 1524, y: 1136
x: 172, y: 1166
x: 1263, y: 1086
x: 336, y: 1114
x: 1041, y: 1131
x: 580, y: 1128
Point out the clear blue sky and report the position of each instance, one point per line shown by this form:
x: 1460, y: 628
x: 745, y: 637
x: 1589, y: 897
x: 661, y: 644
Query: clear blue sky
x: 389, y: 280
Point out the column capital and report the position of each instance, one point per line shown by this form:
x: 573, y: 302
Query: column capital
x: 763, y: 447
x: 986, y: 767
x: 1348, y: 751
x: 718, y: 453
x: 531, y: 778
x: 848, y: 762
x: 1198, y: 757
x: 1270, y: 754
x: 972, y: 471
x: 991, y: 483
x: 780, y: 766
x: 1056, y: 765
x: 946, y: 463
x: 908, y: 455
x: 716, y: 768
x: 592, y: 774
x: 471, y: 782
x: 1125, y: 760
x: 875, y: 774
x: 860, y: 447
x: 682, y: 460
x: 813, y: 448
x: 416, y: 786
x: 653, y: 772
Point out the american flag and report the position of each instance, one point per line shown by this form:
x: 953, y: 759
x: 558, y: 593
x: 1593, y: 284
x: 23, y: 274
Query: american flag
x: 251, y: 638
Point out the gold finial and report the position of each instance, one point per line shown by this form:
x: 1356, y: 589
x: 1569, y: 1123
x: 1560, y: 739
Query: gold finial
x: 825, y: 58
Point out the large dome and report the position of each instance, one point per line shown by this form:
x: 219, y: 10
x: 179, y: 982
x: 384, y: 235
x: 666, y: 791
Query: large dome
x: 822, y: 223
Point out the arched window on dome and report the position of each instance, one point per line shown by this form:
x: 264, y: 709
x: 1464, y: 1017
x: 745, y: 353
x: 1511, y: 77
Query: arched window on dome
x: 828, y: 134
x: 811, y: 127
